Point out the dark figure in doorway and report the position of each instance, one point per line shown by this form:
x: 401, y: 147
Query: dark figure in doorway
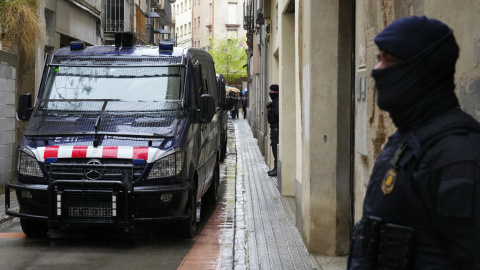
x: 272, y: 118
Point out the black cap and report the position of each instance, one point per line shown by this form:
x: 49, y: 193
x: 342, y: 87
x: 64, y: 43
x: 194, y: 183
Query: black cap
x: 274, y: 87
x: 405, y: 38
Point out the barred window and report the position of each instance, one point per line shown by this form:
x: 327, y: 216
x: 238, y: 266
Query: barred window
x: 115, y: 15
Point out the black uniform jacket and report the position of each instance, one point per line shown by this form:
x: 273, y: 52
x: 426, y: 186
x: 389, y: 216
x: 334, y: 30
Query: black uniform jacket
x: 272, y: 115
x: 436, y: 192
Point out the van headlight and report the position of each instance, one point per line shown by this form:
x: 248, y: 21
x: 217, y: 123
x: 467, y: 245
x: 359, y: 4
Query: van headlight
x: 167, y: 166
x: 27, y: 163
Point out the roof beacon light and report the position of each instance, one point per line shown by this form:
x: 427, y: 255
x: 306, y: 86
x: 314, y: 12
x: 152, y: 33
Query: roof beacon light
x: 166, y: 47
x: 77, y: 45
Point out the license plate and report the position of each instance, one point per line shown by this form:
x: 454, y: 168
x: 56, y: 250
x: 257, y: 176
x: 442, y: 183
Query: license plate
x: 90, y: 212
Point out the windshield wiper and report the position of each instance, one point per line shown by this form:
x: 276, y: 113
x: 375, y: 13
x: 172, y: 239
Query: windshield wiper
x: 97, y: 125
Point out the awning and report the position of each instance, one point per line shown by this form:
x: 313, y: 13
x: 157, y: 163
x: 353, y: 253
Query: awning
x: 152, y: 15
x: 161, y: 31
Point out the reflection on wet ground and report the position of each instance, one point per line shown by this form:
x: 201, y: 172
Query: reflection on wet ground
x: 102, y: 248
x: 208, y: 250
x: 106, y: 248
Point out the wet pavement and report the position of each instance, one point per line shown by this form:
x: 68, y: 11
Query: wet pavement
x: 263, y: 217
x: 265, y: 233
x: 253, y: 226
x: 212, y: 248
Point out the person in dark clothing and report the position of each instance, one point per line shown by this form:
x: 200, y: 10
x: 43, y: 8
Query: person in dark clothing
x: 236, y: 105
x: 272, y: 118
x: 234, y: 112
x: 422, y: 205
x: 244, y: 104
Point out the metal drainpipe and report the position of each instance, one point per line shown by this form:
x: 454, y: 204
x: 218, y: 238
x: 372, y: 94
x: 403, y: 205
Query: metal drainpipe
x: 193, y: 17
x: 213, y: 17
x: 132, y: 17
x: 352, y: 120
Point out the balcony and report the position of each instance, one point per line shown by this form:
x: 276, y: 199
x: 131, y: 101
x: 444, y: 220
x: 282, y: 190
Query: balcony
x: 141, y: 28
x: 164, y: 9
x: 248, y: 16
x: 117, y: 14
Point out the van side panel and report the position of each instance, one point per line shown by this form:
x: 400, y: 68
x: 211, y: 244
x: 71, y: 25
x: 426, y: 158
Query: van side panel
x: 209, y: 135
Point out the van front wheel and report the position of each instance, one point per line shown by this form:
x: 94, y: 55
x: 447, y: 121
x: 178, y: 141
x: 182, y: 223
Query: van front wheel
x: 188, y: 227
x: 32, y: 228
x: 212, y: 192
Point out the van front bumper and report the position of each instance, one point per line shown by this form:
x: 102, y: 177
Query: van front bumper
x: 99, y: 203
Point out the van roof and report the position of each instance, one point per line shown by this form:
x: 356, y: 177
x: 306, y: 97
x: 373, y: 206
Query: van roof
x: 111, y: 55
x: 136, y: 51
x: 140, y: 55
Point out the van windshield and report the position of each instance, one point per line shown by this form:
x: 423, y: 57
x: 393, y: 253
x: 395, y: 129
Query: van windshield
x: 120, y: 83
x: 143, y: 101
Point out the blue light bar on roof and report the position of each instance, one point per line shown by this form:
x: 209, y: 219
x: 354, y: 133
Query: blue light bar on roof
x: 166, y: 47
x: 77, y: 45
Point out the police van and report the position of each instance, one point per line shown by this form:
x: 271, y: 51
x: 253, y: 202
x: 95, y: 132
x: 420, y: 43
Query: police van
x: 119, y: 136
x: 225, y: 106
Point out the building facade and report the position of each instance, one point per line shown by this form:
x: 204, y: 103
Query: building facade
x: 8, y: 78
x: 321, y: 53
x: 184, y: 22
x: 216, y: 19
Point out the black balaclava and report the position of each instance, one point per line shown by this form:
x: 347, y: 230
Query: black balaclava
x: 276, y: 88
x: 422, y: 86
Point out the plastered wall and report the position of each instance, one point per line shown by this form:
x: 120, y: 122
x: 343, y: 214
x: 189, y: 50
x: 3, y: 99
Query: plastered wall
x: 8, y: 75
x: 373, y: 126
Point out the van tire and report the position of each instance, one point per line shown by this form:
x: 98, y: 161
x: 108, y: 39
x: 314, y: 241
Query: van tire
x: 33, y: 228
x: 187, y: 228
x: 223, y: 152
x: 212, y: 192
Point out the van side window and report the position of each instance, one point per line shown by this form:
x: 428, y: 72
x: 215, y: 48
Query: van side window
x: 209, y: 77
x: 199, y: 86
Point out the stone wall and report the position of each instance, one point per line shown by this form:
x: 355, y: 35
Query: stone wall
x: 372, y: 125
x: 8, y: 74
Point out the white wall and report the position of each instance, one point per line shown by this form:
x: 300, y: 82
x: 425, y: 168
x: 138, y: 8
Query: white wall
x: 8, y: 73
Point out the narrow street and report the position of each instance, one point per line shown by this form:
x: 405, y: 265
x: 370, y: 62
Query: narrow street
x: 252, y: 227
x: 107, y: 249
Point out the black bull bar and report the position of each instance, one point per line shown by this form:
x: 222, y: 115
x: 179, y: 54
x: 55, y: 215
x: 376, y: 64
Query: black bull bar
x: 123, y: 187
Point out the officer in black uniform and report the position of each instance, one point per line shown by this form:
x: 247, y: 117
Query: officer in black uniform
x: 422, y: 206
x: 272, y: 118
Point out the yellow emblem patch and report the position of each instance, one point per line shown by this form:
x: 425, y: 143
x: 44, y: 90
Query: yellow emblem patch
x: 389, y: 181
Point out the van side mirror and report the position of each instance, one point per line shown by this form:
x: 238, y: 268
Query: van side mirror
x: 24, y: 109
x: 207, y: 108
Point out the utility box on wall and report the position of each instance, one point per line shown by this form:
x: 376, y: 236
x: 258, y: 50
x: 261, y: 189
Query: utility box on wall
x: 361, y: 114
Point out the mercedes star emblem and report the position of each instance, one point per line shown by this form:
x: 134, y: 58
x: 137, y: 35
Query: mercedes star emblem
x: 93, y: 174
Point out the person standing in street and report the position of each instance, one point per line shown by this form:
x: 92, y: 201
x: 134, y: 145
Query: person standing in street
x: 244, y: 103
x: 272, y: 118
x: 422, y: 205
x: 234, y: 110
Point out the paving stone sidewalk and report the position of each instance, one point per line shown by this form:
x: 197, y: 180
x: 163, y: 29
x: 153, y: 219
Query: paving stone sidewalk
x: 264, y: 223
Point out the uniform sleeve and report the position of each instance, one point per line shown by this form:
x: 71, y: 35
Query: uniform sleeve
x: 452, y: 195
x: 275, y: 111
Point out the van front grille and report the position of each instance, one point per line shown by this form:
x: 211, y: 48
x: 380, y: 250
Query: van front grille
x: 95, y: 169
